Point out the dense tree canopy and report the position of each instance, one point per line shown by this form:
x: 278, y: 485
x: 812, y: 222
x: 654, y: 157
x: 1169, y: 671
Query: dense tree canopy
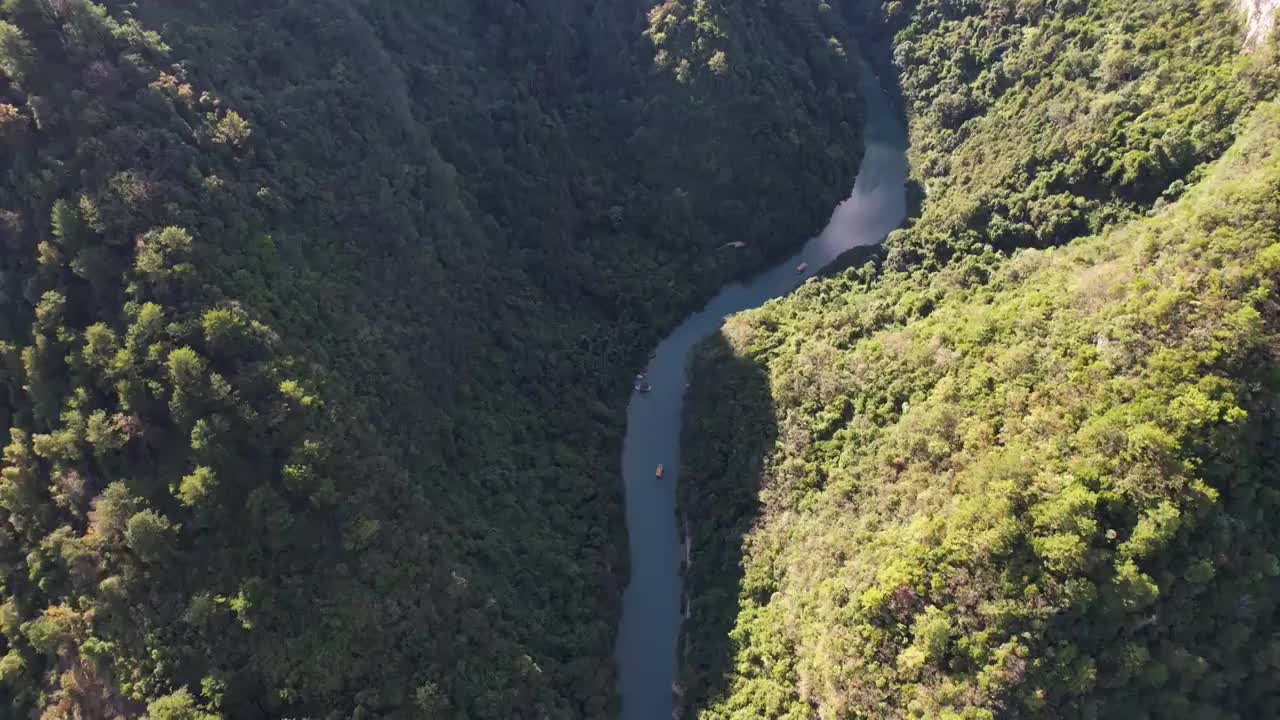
x: 973, y: 483
x: 315, y: 321
x: 1036, y: 122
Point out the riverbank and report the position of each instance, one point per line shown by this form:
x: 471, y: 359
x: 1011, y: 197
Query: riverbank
x: 653, y: 610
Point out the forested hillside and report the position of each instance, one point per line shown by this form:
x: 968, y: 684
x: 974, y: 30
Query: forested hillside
x: 316, y: 319
x: 1033, y: 123
x: 978, y: 481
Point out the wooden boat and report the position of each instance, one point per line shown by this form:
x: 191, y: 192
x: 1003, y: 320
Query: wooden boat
x: 802, y: 267
x: 658, y: 473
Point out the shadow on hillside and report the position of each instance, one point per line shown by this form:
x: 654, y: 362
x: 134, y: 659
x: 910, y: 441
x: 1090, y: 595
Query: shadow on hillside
x: 874, y: 34
x: 854, y: 257
x: 729, y: 428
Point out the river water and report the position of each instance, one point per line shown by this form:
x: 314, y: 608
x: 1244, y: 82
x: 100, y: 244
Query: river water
x: 651, y: 608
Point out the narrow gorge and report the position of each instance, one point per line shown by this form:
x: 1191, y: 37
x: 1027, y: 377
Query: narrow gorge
x: 654, y: 606
x: 320, y: 322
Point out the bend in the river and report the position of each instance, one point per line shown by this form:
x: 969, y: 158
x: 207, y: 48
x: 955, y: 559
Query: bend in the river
x: 651, y: 609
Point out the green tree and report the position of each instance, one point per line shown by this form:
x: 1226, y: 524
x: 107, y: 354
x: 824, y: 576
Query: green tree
x: 177, y: 705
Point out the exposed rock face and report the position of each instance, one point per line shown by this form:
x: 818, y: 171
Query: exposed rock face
x: 1260, y: 18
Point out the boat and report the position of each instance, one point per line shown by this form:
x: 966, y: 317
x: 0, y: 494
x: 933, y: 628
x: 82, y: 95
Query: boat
x: 802, y: 267
x: 658, y: 472
x: 643, y: 386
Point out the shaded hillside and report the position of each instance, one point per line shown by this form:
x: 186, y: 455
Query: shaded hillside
x: 316, y: 322
x: 1038, y: 483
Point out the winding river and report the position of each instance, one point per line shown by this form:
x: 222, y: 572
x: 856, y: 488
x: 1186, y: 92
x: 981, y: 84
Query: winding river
x: 651, y: 609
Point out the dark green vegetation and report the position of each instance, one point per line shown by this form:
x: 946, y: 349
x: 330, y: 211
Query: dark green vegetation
x: 316, y: 322
x: 1044, y: 483
x: 1036, y: 122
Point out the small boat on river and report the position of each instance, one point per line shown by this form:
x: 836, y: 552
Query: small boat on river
x: 658, y: 472
x: 802, y: 267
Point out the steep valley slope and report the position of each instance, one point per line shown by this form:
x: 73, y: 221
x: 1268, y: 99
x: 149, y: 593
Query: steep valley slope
x: 1024, y: 464
x: 316, y: 319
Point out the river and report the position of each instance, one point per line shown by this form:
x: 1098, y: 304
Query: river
x: 651, y: 606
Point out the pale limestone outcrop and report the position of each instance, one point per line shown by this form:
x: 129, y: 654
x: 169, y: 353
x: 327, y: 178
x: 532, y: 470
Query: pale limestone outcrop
x: 1260, y: 19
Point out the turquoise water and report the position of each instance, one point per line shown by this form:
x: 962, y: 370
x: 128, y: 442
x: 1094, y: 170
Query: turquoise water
x: 651, y: 609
